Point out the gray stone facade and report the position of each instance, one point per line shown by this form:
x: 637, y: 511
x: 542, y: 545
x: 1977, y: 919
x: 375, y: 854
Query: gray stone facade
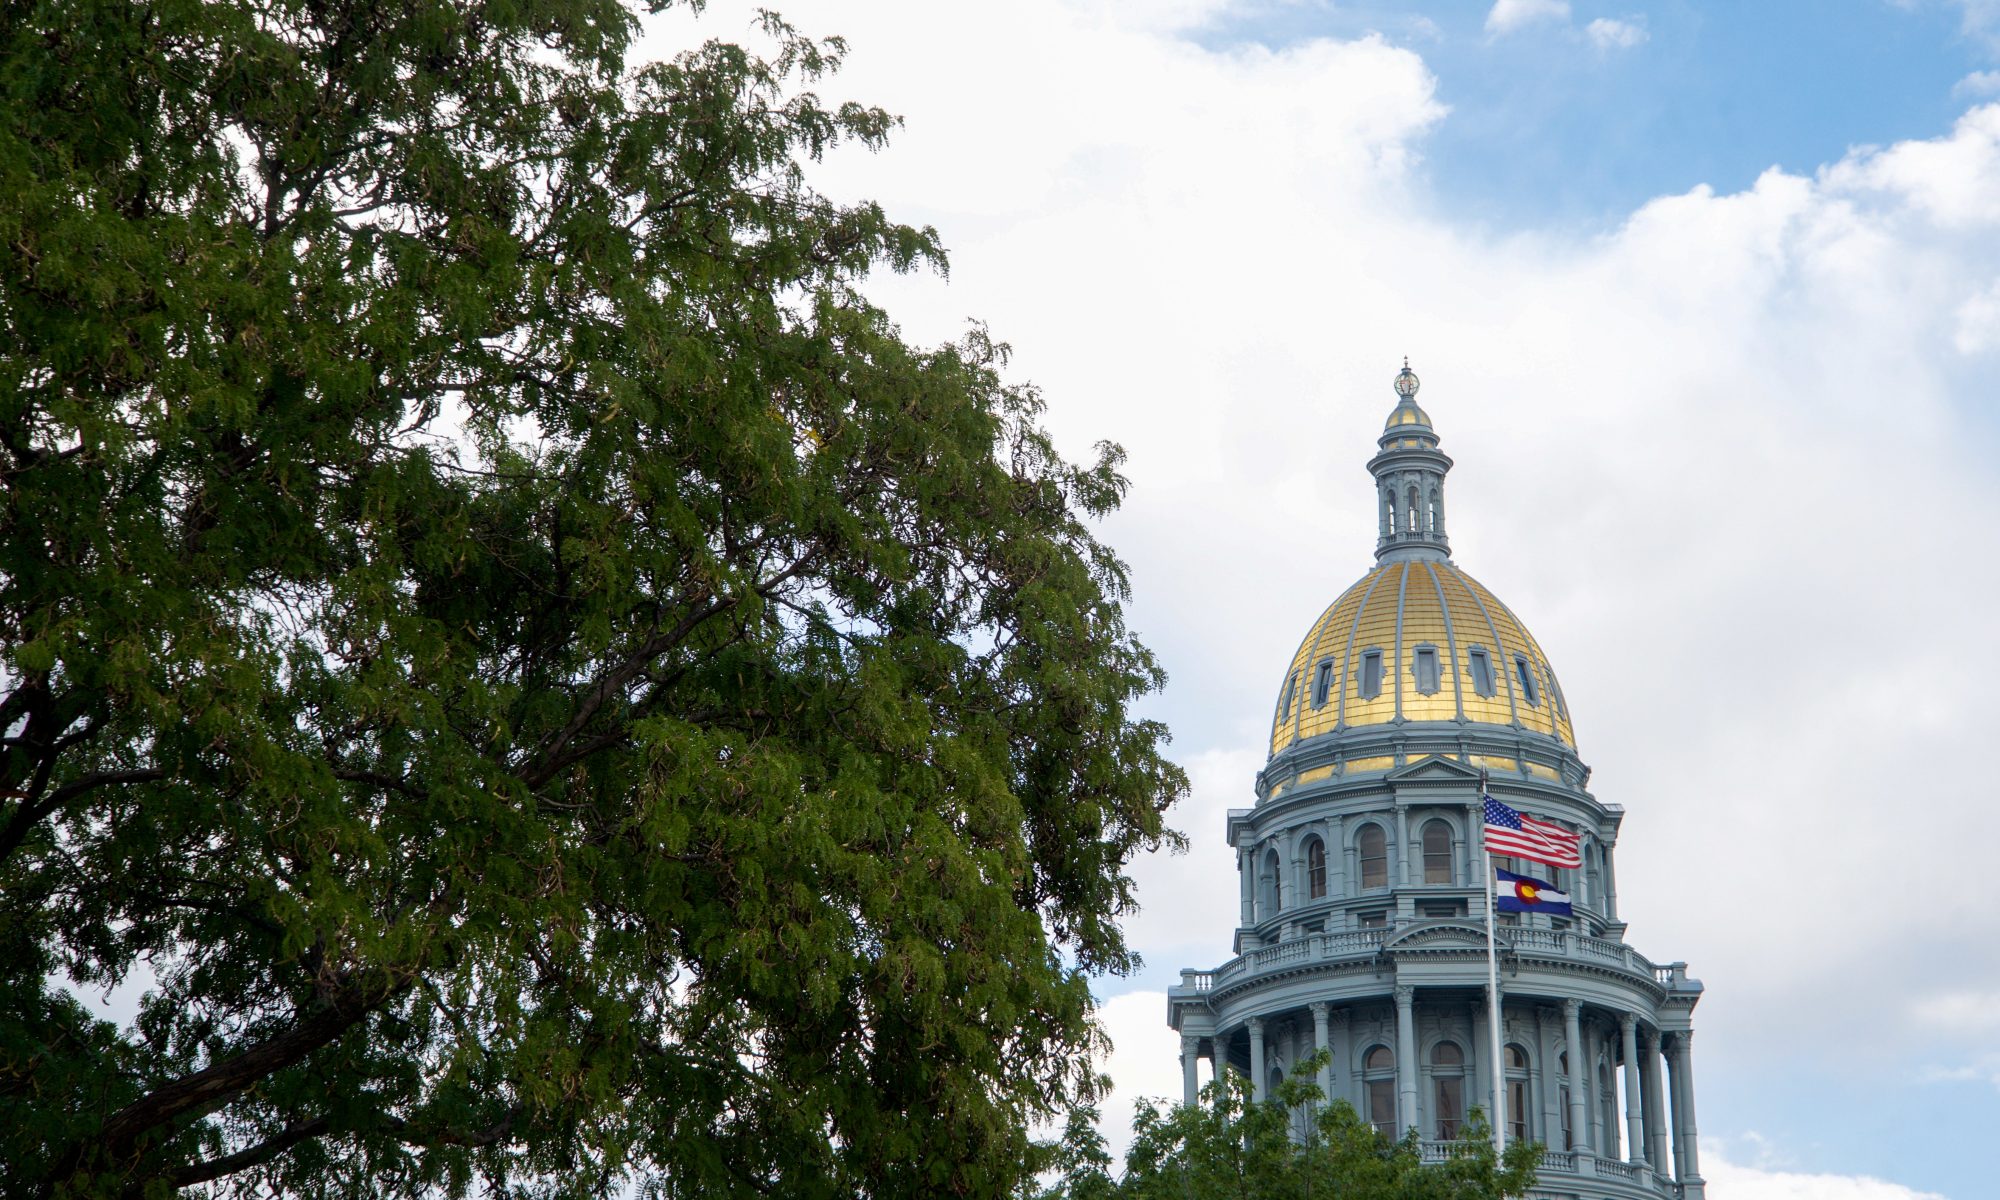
x: 1362, y: 889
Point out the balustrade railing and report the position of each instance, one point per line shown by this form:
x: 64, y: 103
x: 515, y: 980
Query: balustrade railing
x: 1558, y: 1162
x: 1538, y: 939
x: 1359, y: 941
x: 1602, y: 948
x: 1350, y: 943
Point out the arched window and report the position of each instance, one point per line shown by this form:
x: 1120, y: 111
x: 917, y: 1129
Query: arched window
x: 1412, y: 504
x: 1315, y: 869
x: 1437, y: 852
x: 1448, y: 1088
x: 1374, y: 847
x: 1517, y: 1093
x: 1436, y: 513
x: 1388, y: 511
x: 1378, y: 1069
x: 1267, y: 885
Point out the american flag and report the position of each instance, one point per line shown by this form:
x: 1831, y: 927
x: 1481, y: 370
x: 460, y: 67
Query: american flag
x: 1511, y: 832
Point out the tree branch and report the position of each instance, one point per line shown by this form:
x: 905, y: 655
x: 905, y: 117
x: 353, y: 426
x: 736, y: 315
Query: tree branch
x: 242, y: 1160
x: 219, y: 1082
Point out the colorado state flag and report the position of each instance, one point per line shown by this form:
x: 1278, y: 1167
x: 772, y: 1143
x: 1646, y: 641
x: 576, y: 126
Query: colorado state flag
x: 1520, y: 894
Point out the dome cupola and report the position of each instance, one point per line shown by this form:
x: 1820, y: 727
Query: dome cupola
x: 1409, y: 475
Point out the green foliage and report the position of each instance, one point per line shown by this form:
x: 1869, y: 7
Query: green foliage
x: 1294, y: 1146
x: 541, y: 682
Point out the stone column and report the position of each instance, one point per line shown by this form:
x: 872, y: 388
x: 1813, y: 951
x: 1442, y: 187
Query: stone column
x: 1475, y: 866
x: 1400, y: 860
x: 1288, y: 874
x: 1256, y: 1026
x: 1336, y: 858
x: 1573, y: 1046
x: 1320, y: 1011
x: 1656, y: 1109
x: 1406, y: 1057
x: 1479, y: 1062
x: 1674, y: 1095
x: 1545, y: 1069
x: 1635, y: 1136
x: 1688, y: 1162
x: 1610, y: 886
x: 1605, y: 1113
x: 1190, y: 1055
x: 1340, y: 1083
x: 1246, y: 870
x: 1483, y: 1057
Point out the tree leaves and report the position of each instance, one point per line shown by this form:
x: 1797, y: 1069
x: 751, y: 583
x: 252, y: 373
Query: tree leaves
x: 552, y: 687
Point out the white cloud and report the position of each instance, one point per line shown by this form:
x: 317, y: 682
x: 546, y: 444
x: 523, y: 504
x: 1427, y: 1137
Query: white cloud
x: 1958, y: 1011
x: 1506, y: 16
x: 1728, y: 1181
x: 1607, y: 34
x: 1731, y: 460
x: 1144, y: 1063
x: 1978, y: 84
x: 1980, y: 20
x: 1978, y: 321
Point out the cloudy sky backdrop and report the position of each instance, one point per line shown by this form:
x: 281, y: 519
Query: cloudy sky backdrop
x: 1706, y: 303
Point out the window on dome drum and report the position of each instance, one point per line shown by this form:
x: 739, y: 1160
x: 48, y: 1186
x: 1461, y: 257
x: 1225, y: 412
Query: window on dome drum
x: 1448, y: 1085
x: 1527, y: 678
x: 1435, y: 911
x: 1316, y: 869
x: 1378, y: 919
x: 1424, y: 666
x: 1285, y: 703
x: 1379, y: 1067
x: 1369, y: 682
x: 1482, y: 672
x: 1374, y: 847
x: 1437, y: 852
x: 1322, y: 683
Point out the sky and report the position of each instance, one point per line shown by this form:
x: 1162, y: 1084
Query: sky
x: 1706, y: 302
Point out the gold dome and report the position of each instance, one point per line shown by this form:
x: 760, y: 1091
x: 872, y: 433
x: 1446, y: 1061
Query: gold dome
x: 1407, y: 642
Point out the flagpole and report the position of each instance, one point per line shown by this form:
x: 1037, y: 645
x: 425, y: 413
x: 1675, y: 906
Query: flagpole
x: 1492, y: 982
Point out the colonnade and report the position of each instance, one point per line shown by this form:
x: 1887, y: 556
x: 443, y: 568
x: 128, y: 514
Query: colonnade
x: 1657, y: 1137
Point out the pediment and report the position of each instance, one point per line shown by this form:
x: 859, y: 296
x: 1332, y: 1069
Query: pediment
x: 1440, y: 935
x: 1433, y: 769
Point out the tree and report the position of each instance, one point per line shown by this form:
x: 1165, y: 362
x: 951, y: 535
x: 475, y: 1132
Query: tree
x: 540, y: 681
x: 1296, y: 1147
